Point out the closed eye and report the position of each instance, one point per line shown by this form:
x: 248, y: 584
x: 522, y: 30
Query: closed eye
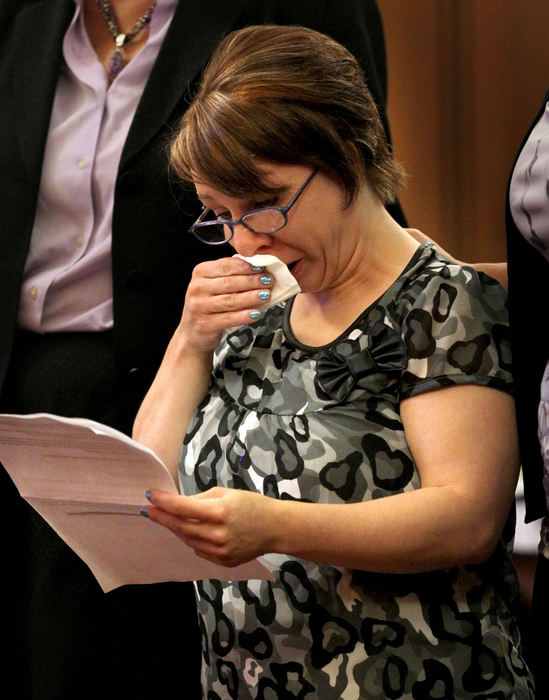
x: 266, y: 203
x: 223, y: 215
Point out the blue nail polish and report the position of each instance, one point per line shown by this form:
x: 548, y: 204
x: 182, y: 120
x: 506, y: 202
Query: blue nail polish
x: 266, y: 279
x: 148, y: 494
x: 256, y: 268
x: 144, y: 512
x: 255, y: 314
x: 264, y: 295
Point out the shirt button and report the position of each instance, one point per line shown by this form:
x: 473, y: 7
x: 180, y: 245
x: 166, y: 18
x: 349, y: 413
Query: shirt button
x: 82, y: 163
x: 33, y: 293
x: 80, y: 239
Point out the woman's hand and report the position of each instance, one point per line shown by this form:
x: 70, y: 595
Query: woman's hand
x: 222, y: 294
x: 225, y: 526
x: 456, y: 518
x: 422, y: 238
x: 496, y: 270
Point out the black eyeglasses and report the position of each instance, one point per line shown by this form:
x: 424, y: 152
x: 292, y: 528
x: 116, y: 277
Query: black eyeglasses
x: 213, y: 231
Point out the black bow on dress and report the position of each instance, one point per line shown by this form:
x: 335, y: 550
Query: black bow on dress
x: 340, y: 369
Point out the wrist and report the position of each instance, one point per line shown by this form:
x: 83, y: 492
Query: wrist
x: 183, y: 349
x: 279, y: 527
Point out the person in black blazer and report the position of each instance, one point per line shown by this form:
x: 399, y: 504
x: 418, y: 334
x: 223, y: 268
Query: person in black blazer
x: 66, y: 638
x: 528, y: 279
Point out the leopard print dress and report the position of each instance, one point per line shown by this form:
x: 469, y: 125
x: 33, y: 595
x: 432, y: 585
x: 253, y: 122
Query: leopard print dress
x: 323, y: 425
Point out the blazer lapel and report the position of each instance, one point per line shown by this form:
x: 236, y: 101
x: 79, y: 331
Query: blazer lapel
x: 196, y: 29
x: 35, y: 69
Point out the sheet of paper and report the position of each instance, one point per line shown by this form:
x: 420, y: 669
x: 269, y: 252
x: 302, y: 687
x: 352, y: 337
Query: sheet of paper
x: 88, y: 482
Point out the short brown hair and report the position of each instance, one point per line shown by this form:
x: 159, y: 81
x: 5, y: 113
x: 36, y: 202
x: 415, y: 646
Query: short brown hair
x: 289, y: 95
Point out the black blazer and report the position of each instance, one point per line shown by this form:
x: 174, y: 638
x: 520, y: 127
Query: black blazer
x: 529, y: 323
x: 152, y: 255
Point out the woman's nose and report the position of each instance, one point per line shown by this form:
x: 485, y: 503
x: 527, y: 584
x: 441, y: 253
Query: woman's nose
x: 248, y: 243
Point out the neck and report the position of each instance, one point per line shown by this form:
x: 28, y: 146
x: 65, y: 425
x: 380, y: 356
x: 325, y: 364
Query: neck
x: 127, y: 13
x: 374, y: 253
x: 377, y: 253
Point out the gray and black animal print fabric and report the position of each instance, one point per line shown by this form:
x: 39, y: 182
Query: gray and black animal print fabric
x: 323, y: 425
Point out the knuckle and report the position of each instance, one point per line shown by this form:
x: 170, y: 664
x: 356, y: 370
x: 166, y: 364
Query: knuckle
x: 227, y: 284
x: 229, y: 301
x: 215, y: 542
x: 221, y: 509
x: 226, y: 266
x: 230, y: 320
x: 200, y: 270
x: 192, y: 304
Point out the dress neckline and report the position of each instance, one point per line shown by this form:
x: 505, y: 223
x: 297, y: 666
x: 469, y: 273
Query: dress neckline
x: 417, y: 257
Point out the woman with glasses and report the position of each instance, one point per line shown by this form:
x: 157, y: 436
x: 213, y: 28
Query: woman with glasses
x: 360, y: 436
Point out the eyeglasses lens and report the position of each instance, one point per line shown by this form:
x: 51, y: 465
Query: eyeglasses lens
x: 212, y: 230
x: 265, y: 221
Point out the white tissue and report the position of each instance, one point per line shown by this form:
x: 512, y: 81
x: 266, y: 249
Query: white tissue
x: 285, y: 284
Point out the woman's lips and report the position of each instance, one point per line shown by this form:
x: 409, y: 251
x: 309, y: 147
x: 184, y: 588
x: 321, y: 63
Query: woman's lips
x: 294, y: 267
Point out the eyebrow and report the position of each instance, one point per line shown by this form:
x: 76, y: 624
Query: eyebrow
x: 211, y: 202
x: 204, y: 198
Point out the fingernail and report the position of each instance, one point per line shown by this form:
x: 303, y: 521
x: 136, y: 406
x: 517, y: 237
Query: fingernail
x: 256, y: 268
x: 266, y: 279
x: 148, y: 494
x: 264, y: 295
x: 255, y: 314
x: 144, y: 512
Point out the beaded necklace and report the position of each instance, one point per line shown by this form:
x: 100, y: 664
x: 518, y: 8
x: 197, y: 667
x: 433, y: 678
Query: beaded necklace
x: 121, y: 40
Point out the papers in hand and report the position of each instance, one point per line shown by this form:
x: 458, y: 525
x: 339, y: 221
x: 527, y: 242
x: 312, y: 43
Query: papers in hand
x: 285, y: 285
x: 88, y: 481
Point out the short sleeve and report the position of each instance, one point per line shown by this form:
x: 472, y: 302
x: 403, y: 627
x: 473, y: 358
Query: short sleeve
x: 456, y: 332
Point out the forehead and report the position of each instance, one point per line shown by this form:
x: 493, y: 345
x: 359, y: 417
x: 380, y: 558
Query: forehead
x: 276, y: 179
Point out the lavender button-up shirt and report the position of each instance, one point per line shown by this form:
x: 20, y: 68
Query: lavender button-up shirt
x: 68, y: 278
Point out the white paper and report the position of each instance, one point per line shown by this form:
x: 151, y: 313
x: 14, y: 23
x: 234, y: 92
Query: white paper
x: 285, y: 285
x: 88, y: 481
